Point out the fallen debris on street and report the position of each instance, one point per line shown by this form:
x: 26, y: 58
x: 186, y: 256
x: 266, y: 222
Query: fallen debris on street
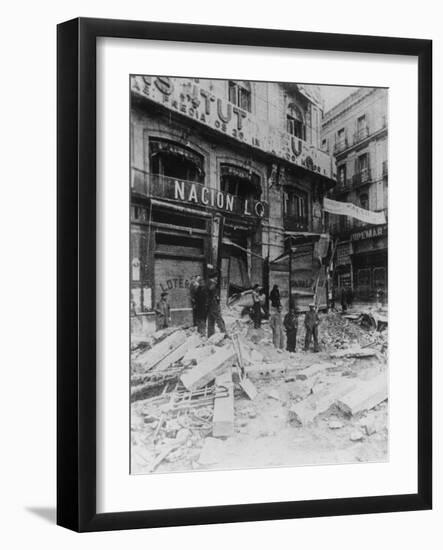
x: 233, y: 400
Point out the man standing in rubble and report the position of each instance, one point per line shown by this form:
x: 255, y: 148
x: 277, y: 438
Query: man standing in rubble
x: 201, y: 306
x: 312, y: 321
x: 193, y: 285
x: 291, y: 325
x: 276, y: 324
x: 163, y: 312
x: 214, y: 310
x: 256, y: 306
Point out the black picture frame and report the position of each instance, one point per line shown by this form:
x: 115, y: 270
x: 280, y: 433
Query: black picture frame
x: 76, y: 293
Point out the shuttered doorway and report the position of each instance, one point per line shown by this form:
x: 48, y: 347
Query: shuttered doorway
x: 176, y: 261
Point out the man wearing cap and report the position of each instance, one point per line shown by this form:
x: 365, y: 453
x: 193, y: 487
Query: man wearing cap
x: 291, y: 325
x: 163, y: 312
x: 214, y: 311
x: 311, y: 324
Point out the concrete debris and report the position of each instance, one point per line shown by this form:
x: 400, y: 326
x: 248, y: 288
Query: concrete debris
x: 354, y: 352
x: 151, y: 357
x: 209, y: 368
x: 178, y: 353
x: 265, y: 370
x: 335, y: 424
x: 366, y: 396
x: 305, y: 411
x: 356, y: 435
x: 200, y: 403
x: 312, y: 370
x: 194, y: 355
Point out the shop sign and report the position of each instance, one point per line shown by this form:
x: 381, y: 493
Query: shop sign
x: 193, y: 99
x: 370, y: 233
x: 195, y: 193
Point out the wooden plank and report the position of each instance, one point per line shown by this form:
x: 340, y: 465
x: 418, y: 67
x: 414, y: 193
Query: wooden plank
x: 366, y: 396
x: 223, y: 420
x: 151, y: 357
x: 209, y: 368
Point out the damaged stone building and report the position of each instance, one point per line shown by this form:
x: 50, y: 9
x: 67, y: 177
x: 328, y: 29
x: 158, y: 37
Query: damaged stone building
x: 224, y: 173
x: 355, y: 131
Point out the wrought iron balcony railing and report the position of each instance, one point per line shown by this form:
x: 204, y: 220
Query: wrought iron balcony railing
x: 295, y: 223
x: 340, y: 145
x: 361, y: 134
x: 361, y: 177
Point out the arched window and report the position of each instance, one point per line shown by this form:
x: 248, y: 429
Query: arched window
x: 295, y: 122
x: 172, y: 160
x: 239, y: 181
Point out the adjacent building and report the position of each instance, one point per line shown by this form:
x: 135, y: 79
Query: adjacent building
x: 355, y: 132
x: 225, y: 173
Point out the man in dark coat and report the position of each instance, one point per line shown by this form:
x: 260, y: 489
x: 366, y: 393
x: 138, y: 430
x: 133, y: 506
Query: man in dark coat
x: 274, y: 296
x: 256, y: 306
x: 291, y: 325
x: 311, y: 325
x: 214, y: 310
x: 201, y: 306
x: 193, y: 285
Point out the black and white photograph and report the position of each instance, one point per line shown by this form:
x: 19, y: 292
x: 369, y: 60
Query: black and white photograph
x: 259, y: 274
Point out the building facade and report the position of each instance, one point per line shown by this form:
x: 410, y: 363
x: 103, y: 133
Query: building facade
x: 355, y: 132
x: 223, y: 173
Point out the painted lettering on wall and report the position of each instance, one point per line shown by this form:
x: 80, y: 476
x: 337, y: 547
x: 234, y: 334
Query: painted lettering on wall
x: 196, y: 193
x: 191, y: 99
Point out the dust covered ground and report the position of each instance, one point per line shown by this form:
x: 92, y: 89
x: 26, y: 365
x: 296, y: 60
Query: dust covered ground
x: 308, y: 408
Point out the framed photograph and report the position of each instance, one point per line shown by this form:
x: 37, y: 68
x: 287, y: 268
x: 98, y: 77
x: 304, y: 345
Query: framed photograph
x: 244, y: 274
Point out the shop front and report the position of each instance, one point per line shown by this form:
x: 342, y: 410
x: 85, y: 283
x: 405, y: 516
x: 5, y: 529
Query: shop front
x: 175, y: 230
x: 370, y: 264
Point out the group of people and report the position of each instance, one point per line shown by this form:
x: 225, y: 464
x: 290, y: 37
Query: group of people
x: 206, y: 313
x: 205, y: 302
x: 289, y: 324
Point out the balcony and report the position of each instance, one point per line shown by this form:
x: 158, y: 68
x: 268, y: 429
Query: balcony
x: 295, y: 223
x: 193, y: 193
x: 340, y: 145
x: 362, y: 177
x: 361, y: 135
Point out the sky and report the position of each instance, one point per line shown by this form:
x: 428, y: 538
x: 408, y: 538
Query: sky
x: 334, y: 94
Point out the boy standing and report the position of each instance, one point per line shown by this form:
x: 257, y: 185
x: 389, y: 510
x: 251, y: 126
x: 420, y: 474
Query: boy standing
x: 163, y: 312
x: 311, y: 324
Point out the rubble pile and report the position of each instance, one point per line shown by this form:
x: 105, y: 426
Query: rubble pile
x: 235, y: 401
